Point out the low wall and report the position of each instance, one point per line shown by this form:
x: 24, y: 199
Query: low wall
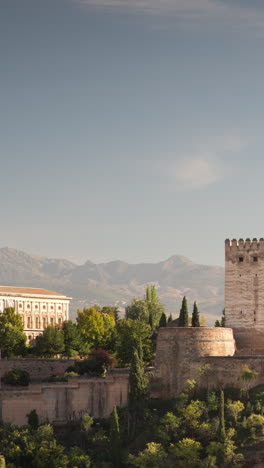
x: 37, y: 368
x: 60, y: 402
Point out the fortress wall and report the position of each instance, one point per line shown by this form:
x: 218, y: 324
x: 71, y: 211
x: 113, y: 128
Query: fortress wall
x: 178, y: 348
x: 37, y: 368
x: 64, y: 401
x: 227, y: 371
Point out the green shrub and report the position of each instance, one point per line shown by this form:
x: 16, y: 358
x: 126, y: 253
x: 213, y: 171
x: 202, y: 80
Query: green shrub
x: 17, y: 377
x: 55, y: 378
x: 71, y: 374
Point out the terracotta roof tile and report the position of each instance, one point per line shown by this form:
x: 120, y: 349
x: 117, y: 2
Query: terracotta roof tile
x: 28, y: 291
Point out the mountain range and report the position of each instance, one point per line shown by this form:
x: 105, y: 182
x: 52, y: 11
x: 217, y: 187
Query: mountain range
x: 117, y: 282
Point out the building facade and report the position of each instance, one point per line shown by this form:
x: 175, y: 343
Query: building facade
x: 37, y: 307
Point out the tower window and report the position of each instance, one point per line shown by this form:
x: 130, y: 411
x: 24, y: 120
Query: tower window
x: 241, y: 259
x: 255, y: 259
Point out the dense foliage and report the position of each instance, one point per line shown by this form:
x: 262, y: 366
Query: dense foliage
x: 16, y: 377
x: 200, y: 428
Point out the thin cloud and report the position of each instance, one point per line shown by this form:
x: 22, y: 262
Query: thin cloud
x: 202, y: 166
x: 231, y: 10
x: 193, y: 172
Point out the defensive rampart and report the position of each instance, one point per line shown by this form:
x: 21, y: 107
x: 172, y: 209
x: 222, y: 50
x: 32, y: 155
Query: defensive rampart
x: 61, y: 402
x: 177, y: 350
x: 37, y: 368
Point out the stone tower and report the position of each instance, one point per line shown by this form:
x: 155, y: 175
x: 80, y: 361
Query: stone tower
x: 244, y: 293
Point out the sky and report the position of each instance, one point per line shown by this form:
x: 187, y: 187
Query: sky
x: 131, y: 129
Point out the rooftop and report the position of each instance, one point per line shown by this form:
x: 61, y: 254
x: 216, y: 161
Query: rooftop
x: 15, y: 290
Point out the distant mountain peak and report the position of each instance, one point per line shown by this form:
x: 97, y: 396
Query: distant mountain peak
x: 178, y: 260
x: 117, y: 282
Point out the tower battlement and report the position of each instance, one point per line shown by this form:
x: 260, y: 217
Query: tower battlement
x: 246, y: 245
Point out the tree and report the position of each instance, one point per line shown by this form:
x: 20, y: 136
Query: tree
x: 96, y: 328
x: 33, y: 419
x: 48, y: 451
x: 170, y: 318
x: 148, y: 310
x: 112, y: 311
x: 222, y: 433
x: 163, y: 320
x: 217, y: 323
x: 186, y: 453
x: 234, y: 408
x: 72, y: 338
x: 137, y: 310
x: 51, y: 342
x: 153, y: 456
x: 195, y: 316
x: 129, y: 334
x: 78, y: 458
x: 138, y: 389
x: 12, y: 338
x: 154, y: 307
x: 115, y: 440
x: 183, y: 317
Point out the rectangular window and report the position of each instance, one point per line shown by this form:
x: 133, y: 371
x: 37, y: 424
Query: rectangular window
x: 241, y: 259
x: 28, y: 322
x: 255, y: 259
x: 52, y: 321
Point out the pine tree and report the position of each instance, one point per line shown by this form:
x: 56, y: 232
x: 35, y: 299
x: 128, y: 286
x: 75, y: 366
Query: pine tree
x: 195, y: 316
x: 217, y: 323
x: 163, y: 320
x: 222, y: 433
x: 183, y: 317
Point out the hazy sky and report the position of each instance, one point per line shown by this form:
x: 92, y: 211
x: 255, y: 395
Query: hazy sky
x: 131, y: 129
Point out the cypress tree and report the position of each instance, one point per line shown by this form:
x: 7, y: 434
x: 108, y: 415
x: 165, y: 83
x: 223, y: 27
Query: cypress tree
x: 170, y: 318
x: 115, y: 440
x: 183, y: 317
x: 138, y: 388
x: 163, y: 320
x: 151, y: 319
x: 195, y: 316
x: 148, y: 293
x: 222, y: 433
x: 217, y: 323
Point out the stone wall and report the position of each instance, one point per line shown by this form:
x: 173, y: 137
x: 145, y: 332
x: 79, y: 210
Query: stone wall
x: 178, y: 347
x: 37, y: 368
x: 61, y: 402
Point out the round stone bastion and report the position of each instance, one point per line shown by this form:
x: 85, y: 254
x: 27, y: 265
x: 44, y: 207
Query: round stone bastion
x: 179, y: 350
x: 191, y: 342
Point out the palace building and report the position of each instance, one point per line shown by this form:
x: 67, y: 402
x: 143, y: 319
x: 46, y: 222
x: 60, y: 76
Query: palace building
x: 37, y: 307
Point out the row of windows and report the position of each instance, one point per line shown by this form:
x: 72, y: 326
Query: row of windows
x: 241, y: 259
x: 30, y: 322
x: 36, y: 306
